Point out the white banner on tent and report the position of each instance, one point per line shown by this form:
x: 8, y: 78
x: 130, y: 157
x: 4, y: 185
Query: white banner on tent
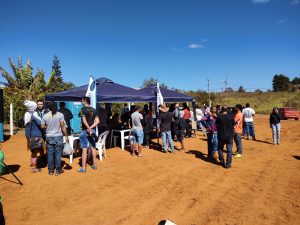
x: 91, y: 92
x: 160, y: 99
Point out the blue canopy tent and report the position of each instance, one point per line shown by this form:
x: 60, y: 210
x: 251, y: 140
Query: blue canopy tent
x: 168, y: 95
x: 107, y: 92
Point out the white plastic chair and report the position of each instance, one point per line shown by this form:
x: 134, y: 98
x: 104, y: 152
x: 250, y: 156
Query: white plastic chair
x: 100, y: 145
x: 130, y: 139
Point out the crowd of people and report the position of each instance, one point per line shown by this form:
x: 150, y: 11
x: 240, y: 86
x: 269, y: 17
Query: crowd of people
x: 222, y: 126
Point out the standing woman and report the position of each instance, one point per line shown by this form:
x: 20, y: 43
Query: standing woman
x: 32, y: 129
x: 275, y: 118
x: 54, y: 123
x: 186, y: 117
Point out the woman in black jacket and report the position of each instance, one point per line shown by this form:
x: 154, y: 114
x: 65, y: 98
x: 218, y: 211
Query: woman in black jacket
x: 275, y: 118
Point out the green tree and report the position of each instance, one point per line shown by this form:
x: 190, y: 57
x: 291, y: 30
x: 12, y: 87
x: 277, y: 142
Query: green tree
x: 152, y: 81
x: 281, y: 83
x: 241, y: 89
x: 296, y: 80
x: 258, y: 91
x: 24, y: 85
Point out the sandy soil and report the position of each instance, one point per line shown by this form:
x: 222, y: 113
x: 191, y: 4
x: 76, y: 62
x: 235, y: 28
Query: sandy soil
x: 263, y: 187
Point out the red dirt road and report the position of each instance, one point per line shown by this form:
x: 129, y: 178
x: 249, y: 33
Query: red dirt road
x: 263, y: 187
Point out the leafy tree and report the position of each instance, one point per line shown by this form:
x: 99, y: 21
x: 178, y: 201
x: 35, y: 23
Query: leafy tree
x: 152, y: 81
x: 241, y: 89
x: 24, y: 85
x: 229, y: 89
x: 258, y: 91
x: 281, y: 83
x: 56, y: 67
x: 55, y: 82
x: 296, y: 80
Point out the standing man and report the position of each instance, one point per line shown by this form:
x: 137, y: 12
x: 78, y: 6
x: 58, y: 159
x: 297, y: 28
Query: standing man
x: 54, y: 123
x: 249, y: 113
x: 137, y: 130
x: 238, y: 130
x: 209, y: 120
x: 87, y: 137
x: 225, y: 124
x: 41, y: 108
x: 165, y: 118
x: 67, y: 115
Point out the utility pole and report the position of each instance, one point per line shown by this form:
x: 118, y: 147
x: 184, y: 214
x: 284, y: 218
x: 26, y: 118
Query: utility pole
x: 225, y: 94
x: 209, y: 103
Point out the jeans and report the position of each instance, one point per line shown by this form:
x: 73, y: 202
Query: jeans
x: 164, y: 136
x: 212, y: 144
x: 250, y: 129
x: 201, y: 127
x: 188, y: 128
x: 138, y: 136
x: 238, y: 141
x: 147, y: 138
x: 229, y: 152
x: 86, y: 140
x: 276, y: 133
x: 54, y: 151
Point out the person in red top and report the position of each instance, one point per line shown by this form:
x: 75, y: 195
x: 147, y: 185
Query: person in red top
x: 238, y: 130
x: 186, y: 117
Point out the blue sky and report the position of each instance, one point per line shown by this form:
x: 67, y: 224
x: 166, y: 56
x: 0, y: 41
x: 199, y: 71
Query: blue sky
x: 179, y: 42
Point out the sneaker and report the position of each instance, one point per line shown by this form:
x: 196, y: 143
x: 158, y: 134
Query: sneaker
x: 237, y: 155
x: 81, y: 170
x: 222, y: 163
x: 94, y: 167
x: 59, y: 172
x: 36, y: 170
x: 51, y: 173
x: 228, y: 166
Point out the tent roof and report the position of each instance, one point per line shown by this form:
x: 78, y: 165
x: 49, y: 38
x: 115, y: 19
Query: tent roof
x: 168, y: 95
x: 107, y: 91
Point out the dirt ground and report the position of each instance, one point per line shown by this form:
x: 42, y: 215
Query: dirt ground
x: 263, y: 187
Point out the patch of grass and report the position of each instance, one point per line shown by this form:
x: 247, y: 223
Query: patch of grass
x: 260, y: 102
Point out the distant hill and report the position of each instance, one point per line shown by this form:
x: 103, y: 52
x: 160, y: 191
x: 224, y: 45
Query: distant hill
x: 260, y: 102
x: 264, y: 102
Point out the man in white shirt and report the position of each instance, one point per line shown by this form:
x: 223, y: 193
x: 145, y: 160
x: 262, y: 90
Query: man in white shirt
x: 249, y: 113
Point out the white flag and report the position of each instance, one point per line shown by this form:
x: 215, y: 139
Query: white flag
x: 160, y: 99
x: 91, y: 92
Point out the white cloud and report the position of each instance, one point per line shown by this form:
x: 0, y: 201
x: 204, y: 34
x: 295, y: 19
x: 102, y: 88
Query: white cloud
x: 194, y: 46
x: 260, y: 1
x: 295, y: 2
x: 281, y: 21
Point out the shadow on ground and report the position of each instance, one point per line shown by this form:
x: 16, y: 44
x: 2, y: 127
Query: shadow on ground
x: 202, y: 156
x: 296, y: 157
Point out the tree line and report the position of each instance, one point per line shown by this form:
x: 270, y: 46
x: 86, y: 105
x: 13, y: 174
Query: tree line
x: 23, y: 84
